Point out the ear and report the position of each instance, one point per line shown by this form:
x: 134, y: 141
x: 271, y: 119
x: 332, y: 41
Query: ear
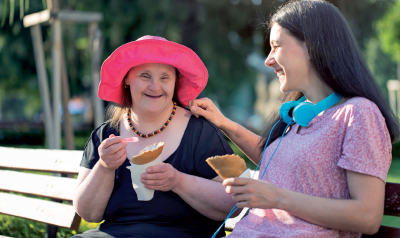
x: 306, y: 50
x: 126, y: 81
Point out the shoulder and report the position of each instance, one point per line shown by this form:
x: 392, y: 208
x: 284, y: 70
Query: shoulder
x: 359, y: 106
x: 203, y: 124
x: 103, y: 131
x: 361, y: 113
x: 360, y: 103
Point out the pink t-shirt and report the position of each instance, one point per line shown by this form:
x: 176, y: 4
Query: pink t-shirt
x: 351, y: 136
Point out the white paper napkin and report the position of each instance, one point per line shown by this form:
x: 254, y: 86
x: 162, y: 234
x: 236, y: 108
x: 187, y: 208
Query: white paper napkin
x: 246, y: 174
x: 142, y: 193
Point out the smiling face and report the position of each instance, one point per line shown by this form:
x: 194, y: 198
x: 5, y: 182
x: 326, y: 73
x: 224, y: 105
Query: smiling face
x: 290, y: 60
x: 152, y: 86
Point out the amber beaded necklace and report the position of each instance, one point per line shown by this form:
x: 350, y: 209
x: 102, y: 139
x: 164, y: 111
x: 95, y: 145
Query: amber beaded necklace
x: 155, y: 132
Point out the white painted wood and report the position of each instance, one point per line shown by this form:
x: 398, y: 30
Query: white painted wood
x: 79, y: 16
x: 49, y: 212
x: 60, y: 161
x: 61, y: 188
x: 36, y: 18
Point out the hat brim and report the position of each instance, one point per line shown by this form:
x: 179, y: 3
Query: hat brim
x: 193, y: 72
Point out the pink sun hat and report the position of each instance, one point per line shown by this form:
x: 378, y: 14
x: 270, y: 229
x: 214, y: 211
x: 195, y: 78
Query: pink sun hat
x: 153, y: 49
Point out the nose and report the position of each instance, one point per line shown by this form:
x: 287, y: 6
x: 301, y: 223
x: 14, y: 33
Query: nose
x: 155, y: 85
x: 270, y: 60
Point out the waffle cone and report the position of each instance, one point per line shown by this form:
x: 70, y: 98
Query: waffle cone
x: 148, y: 154
x: 227, y: 166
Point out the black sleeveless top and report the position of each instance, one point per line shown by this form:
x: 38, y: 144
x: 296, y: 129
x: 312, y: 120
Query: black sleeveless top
x: 166, y: 215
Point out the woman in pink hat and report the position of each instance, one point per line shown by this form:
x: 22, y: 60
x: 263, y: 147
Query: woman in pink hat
x: 150, y: 80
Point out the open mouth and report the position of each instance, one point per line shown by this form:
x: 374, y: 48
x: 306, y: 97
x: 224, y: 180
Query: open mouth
x: 280, y: 73
x: 154, y: 97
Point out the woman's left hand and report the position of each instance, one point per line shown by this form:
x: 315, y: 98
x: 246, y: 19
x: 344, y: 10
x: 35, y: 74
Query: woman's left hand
x: 163, y: 177
x: 252, y: 193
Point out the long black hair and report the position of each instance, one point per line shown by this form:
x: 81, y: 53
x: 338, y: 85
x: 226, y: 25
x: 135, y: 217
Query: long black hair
x: 334, y: 55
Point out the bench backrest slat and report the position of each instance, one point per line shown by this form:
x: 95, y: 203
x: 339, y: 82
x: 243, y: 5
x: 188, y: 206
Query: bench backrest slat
x: 392, y: 199
x: 39, y: 185
x: 385, y: 232
x: 58, y: 161
x: 49, y: 212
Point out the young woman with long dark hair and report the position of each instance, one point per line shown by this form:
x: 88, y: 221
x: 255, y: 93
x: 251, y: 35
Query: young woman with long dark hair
x: 325, y: 177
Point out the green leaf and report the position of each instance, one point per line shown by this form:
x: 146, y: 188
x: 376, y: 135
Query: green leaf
x: 3, y: 19
x: 12, y: 8
x: 21, y: 9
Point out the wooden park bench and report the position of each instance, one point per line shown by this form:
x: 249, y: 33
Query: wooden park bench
x: 17, y: 181
x: 392, y: 208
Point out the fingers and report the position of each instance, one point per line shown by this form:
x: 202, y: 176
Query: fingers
x: 202, y: 102
x: 245, y: 200
x: 154, y: 182
x: 236, y: 189
x: 112, y: 140
x: 236, y: 181
x: 159, y: 168
x: 112, y: 145
x: 153, y: 176
x: 238, y: 185
x: 198, y: 111
x: 200, y: 107
x: 120, y: 153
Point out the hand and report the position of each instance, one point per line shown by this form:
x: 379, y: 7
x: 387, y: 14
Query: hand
x: 112, y: 152
x: 206, y: 108
x: 253, y: 193
x: 163, y: 177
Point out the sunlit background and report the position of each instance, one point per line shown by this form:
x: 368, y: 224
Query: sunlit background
x: 230, y: 36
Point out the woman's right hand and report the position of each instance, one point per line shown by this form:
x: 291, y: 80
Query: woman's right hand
x: 112, y: 152
x: 206, y: 108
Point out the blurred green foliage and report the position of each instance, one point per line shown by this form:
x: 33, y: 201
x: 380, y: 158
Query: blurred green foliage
x: 22, y: 228
x: 389, y: 31
x: 223, y: 33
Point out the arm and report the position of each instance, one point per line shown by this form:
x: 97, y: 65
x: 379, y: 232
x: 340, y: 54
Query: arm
x: 95, y: 185
x: 208, y: 197
x: 362, y: 213
x: 246, y: 140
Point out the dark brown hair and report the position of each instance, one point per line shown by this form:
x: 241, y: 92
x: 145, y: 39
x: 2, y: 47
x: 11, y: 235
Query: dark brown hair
x: 334, y: 55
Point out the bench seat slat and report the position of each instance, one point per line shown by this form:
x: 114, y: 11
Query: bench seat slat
x: 58, y: 161
x: 49, y: 212
x: 39, y: 185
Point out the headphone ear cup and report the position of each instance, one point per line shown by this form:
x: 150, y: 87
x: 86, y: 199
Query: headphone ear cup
x: 285, y: 109
x: 303, y: 113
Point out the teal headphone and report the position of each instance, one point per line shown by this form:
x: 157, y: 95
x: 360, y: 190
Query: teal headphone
x: 302, y: 112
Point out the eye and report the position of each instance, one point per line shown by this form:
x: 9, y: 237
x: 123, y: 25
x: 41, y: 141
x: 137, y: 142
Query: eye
x: 145, y: 75
x: 164, y: 77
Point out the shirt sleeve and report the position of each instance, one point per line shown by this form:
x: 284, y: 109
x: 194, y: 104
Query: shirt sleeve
x: 211, y: 143
x: 91, y: 153
x: 367, y: 146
